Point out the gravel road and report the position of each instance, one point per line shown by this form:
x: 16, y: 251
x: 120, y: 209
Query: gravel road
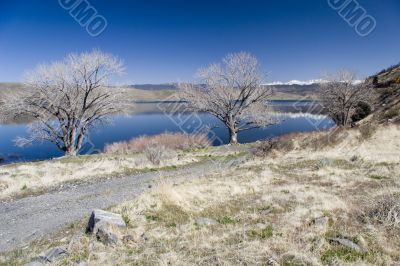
x: 31, y: 218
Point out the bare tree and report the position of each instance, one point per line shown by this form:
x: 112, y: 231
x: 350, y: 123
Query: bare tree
x: 66, y: 99
x: 232, y: 92
x: 341, y: 95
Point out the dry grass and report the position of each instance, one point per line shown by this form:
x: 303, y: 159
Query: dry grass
x: 21, y: 179
x: 172, y: 141
x: 265, y: 209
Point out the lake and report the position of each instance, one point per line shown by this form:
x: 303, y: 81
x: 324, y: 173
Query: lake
x: 149, y: 120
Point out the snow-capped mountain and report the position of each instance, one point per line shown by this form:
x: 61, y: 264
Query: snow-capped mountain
x: 303, y: 83
x: 296, y: 82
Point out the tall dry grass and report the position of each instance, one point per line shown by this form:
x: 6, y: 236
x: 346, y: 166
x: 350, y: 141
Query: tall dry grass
x: 172, y: 141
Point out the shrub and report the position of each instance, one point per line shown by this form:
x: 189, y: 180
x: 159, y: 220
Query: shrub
x: 367, y: 131
x: 284, y: 143
x: 172, y: 141
x: 385, y: 210
x: 154, y: 152
x: 362, y: 111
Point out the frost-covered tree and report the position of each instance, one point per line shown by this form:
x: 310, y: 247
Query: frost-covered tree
x: 232, y: 91
x: 342, y: 94
x: 68, y: 98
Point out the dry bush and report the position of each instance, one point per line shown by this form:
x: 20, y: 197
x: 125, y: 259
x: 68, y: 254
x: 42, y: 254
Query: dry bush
x: 284, y: 144
x: 385, y: 210
x: 156, y: 153
x: 367, y: 131
x: 172, y: 141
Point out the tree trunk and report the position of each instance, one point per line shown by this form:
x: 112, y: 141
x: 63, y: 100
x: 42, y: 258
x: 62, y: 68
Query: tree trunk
x: 70, y: 151
x: 230, y: 123
x: 233, y: 136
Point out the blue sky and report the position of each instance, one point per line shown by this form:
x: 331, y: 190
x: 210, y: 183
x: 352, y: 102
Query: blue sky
x: 166, y: 41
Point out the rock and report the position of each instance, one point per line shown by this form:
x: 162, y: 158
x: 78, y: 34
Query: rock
x: 345, y: 242
x: 362, y: 243
x: 144, y: 237
x: 34, y: 263
x: 100, y: 218
x: 261, y: 226
x: 206, y: 221
x: 51, y: 255
x: 106, y: 236
x: 272, y: 262
x: 81, y: 263
x: 321, y: 221
x: 128, y: 238
x: 266, y: 211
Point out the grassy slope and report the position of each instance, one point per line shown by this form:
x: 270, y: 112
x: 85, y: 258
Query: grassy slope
x: 265, y: 210
x: 32, y: 178
x: 387, y: 87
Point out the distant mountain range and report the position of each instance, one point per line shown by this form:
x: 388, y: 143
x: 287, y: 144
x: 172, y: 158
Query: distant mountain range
x: 278, y: 84
x: 286, y: 90
x: 155, y: 87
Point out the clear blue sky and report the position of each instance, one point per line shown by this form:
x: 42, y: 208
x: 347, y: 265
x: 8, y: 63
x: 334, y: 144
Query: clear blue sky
x: 165, y: 41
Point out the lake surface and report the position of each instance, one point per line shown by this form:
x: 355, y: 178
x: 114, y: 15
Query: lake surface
x: 151, y: 121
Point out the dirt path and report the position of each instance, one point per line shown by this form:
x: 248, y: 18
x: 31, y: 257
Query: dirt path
x: 31, y: 218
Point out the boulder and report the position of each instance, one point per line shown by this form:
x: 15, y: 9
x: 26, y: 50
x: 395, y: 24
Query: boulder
x: 101, y: 218
x: 206, y: 221
x: 345, y: 242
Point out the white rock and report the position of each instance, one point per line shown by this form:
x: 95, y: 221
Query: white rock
x: 103, y: 218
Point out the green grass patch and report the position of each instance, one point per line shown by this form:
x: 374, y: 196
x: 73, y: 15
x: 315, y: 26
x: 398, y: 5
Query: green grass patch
x: 169, y: 214
x: 125, y: 216
x: 265, y: 233
x: 377, y: 177
x: 226, y: 220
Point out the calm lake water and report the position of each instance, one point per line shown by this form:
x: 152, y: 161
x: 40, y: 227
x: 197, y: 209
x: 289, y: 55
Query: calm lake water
x: 149, y: 121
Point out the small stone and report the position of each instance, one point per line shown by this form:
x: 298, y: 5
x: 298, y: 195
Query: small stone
x: 347, y: 243
x: 321, y: 221
x: 206, y: 221
x: 105, y: 236
x: 272, y: 262
x: 266, y: 211
x: 34, y: 263
x: 128, y: 238
x: 100, y: 218
x: 53, y: 254
x: 261, y: 226
x: 81, y: 263
x: 145, y: 238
